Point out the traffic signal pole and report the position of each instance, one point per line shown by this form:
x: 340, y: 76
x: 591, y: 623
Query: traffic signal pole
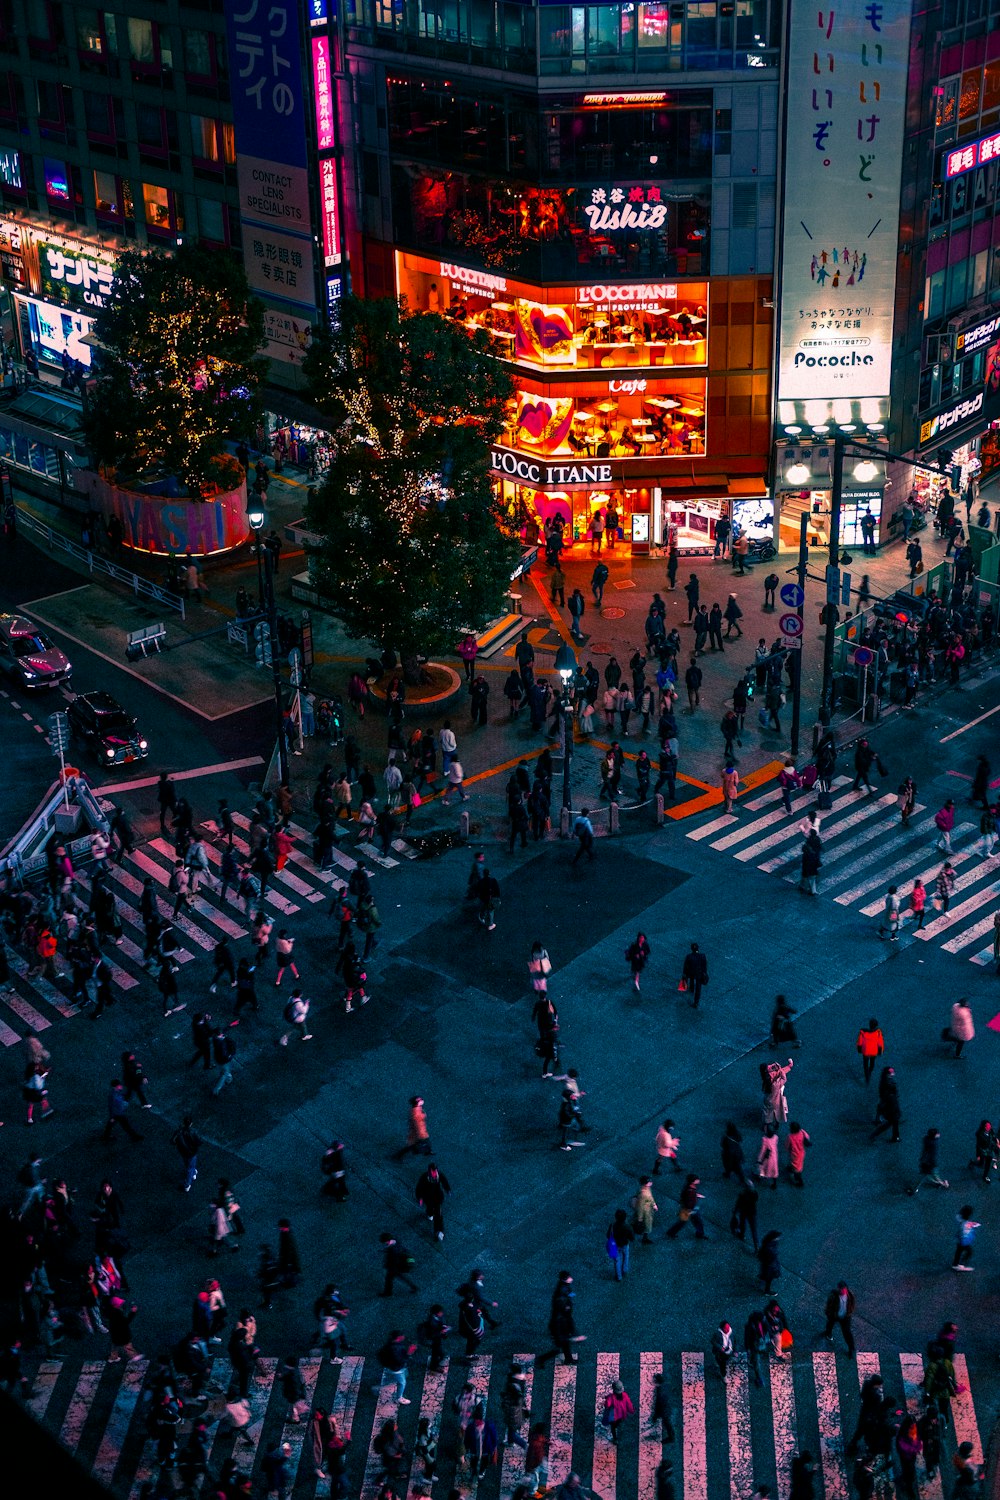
x: 801, y: 571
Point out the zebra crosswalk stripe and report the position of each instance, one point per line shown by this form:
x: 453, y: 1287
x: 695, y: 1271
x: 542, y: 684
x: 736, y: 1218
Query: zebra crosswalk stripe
x: 783, y: 1417
x: 431, y: 1407
x: 740, y: 1437
x: 80, y: 1403
x: 831, y: 1438
x: 840, y: 851
x: 694, y: 1427
x: 605, y: 1459
x: 512, y: 1466
x: 864, y: 851
x: 561, y: 1424
x: 120, y: 1420
x: 650, y: 1434
x: 913, y: 1373
x: 746, y: 1452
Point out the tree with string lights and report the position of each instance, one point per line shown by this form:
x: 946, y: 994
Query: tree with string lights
x: 416, y: 546
x: 178, y: 368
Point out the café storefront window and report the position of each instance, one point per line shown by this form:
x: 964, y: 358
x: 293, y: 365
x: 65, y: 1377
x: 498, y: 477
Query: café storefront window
x: 619, y: 419
x: 590, y: 326
x: 616, y: 228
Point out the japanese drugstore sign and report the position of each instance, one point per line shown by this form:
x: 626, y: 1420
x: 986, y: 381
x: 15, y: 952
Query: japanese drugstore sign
x: 73, y: 278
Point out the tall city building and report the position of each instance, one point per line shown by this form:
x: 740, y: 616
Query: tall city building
x: 595, y: 186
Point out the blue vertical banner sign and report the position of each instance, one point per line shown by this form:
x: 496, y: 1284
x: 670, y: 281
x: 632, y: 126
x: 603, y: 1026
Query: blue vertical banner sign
x: 269, y: 114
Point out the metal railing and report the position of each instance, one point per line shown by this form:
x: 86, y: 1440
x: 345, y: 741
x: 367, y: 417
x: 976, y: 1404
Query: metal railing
x: 97, y: 564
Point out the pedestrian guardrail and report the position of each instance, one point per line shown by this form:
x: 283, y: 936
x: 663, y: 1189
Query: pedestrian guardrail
x: 25, y: 857
x: 94, y: 563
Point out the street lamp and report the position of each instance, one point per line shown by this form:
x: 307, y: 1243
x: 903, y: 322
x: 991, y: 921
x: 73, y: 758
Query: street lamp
x: 265, y: 579
x: 566, y: 666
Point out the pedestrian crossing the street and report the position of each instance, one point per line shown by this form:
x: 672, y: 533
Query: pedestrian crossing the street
x: 32, y: 1002
x: 865, y: 850
x: 729, y: 1436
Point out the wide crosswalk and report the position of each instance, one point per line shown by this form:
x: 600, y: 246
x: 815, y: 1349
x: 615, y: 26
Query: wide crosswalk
x: 32, y: 1002
x: 729, y: 1436
x: 865, y: 850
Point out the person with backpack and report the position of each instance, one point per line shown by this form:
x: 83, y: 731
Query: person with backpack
x: 617, y: 1407
x: 180, y: 887
x: 246, y: 991
x: 944, y: 822
x: 692, y: 681
x: 598, y: 579
x: 296, y: 1013
x: 188, y: 1143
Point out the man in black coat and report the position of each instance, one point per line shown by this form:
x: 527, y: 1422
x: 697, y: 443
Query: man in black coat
x: 840, y: 1309
x: 562, y: 1325
x: 695, y: 973
x: 432, y: 1189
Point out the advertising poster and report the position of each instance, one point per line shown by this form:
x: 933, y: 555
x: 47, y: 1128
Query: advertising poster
x: 843, y: 154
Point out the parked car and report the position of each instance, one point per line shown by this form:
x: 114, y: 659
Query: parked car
x: 107, y: 728
x: 29, y: 657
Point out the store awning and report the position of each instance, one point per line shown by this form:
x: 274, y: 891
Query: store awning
x: 748, y: 488
x: 692, y: 481
x: 47, y: 419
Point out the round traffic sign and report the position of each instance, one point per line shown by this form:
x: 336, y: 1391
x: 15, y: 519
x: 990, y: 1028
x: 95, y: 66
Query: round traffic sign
x: 790, y: 624
x: 793, y: 595
x: 863, y: 657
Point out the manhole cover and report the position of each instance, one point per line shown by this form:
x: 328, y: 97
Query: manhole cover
x: 600, y: 648
x: 624, y: 583
x: 612, y: 612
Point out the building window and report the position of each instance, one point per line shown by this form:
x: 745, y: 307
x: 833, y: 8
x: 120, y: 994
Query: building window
x: 56, y: 180
x: 723, y: 132
x: 211, y: 221
x: 198, y: 55
x: 162, y: 209
x: 204, y: 139
x: 8, y: 97
x: 140, y: 42
x: 98, y: 116
x: 228, y: 144
x: 50, y: 104
x: 149, y: 127
x: 10, y: 168
x: 107, y: 196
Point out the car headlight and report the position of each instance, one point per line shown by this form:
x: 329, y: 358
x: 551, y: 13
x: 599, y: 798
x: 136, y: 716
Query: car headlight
x: 110, y: 754
x: 28, y: 674
x: 143, y: 745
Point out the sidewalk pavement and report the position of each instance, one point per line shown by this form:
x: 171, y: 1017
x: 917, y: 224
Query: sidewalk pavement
x: 489, y: 753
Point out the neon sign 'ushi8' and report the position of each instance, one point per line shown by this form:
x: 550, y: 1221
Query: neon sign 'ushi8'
x: 625, y: 208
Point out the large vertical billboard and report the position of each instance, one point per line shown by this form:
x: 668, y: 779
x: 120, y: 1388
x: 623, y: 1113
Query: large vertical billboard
x: 845, y: 109
x: 269, y: 116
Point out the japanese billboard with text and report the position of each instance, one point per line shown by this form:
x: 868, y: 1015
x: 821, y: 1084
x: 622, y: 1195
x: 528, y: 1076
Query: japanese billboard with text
x: 269, y: 114
x: 843, y: 153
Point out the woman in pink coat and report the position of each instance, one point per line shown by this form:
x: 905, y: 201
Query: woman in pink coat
x: 767, y: 1156
x: 962, y: 1028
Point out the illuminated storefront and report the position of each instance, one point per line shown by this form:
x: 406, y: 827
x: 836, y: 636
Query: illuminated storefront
x: 594, y: 437
x: 57, y: 286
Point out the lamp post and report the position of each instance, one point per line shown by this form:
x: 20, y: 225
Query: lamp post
x: 566, y: 666
x: 255, y: 516
x: 265, y: 574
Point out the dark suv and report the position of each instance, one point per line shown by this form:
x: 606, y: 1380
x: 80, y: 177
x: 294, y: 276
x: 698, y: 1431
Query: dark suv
x: 111, y: 733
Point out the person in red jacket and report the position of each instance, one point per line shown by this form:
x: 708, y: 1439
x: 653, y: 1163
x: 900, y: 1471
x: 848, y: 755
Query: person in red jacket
x: 871, y: 1045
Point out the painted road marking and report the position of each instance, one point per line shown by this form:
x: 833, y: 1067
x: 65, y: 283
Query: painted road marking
x: 605, y: 1459
x: 80, y: 1403
x: 512, y: 1466
x: 738, y: 1421
x: 193, y: 775
x: 912, y: 1367
x: 431, y: 1408
x: 650, y: 1433
x: 119, y: 1421
x: 561, y: 1424
x: 783, y: 1416
x: 831, y: 1438
x: 693, y: 1416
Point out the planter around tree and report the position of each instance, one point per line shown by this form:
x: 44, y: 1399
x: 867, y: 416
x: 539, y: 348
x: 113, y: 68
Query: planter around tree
x: 425, y: 699
x: 155, y: 520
